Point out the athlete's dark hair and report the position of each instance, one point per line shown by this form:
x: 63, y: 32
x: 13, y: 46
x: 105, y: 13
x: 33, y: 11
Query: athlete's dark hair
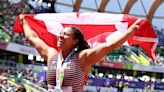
x: 82, y: 44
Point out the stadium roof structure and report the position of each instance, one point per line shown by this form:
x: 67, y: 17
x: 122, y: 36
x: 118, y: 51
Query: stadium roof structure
x: 150, y: 9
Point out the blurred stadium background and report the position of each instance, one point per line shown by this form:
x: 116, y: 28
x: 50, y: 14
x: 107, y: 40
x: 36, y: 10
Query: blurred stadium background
x: 126, y: 69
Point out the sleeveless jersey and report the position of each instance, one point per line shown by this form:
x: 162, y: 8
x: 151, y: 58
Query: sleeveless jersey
x: 73, y: 75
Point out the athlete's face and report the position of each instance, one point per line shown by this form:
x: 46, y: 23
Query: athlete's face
x: 66, y: 39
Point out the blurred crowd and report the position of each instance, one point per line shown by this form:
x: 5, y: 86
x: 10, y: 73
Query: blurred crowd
x: 8, y: 83
x: 10, y: 11
x: 13, y: 79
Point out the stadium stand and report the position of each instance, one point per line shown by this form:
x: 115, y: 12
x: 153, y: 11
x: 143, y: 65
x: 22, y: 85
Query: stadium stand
x: 11, y: 75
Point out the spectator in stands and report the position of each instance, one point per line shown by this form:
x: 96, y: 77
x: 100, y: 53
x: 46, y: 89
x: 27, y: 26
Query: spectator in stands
x: 22, y: 88
x: 120, y: 85
x: 74, y: 55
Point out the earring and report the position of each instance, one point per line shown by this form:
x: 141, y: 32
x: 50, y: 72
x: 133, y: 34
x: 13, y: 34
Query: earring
x: 76, y: 48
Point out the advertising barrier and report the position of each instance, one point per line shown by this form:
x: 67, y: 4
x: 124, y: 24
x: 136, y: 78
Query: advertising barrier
x: 130, y: 84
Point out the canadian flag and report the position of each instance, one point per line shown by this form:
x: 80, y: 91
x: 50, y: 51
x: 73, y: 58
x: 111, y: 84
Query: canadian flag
x: 96, y: 28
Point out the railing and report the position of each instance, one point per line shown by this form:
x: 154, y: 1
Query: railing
x: 32, y: 87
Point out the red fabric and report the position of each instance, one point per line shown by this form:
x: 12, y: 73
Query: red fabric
x: 145, y: 30
x: 40, y: 28
x: 91, y: 31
